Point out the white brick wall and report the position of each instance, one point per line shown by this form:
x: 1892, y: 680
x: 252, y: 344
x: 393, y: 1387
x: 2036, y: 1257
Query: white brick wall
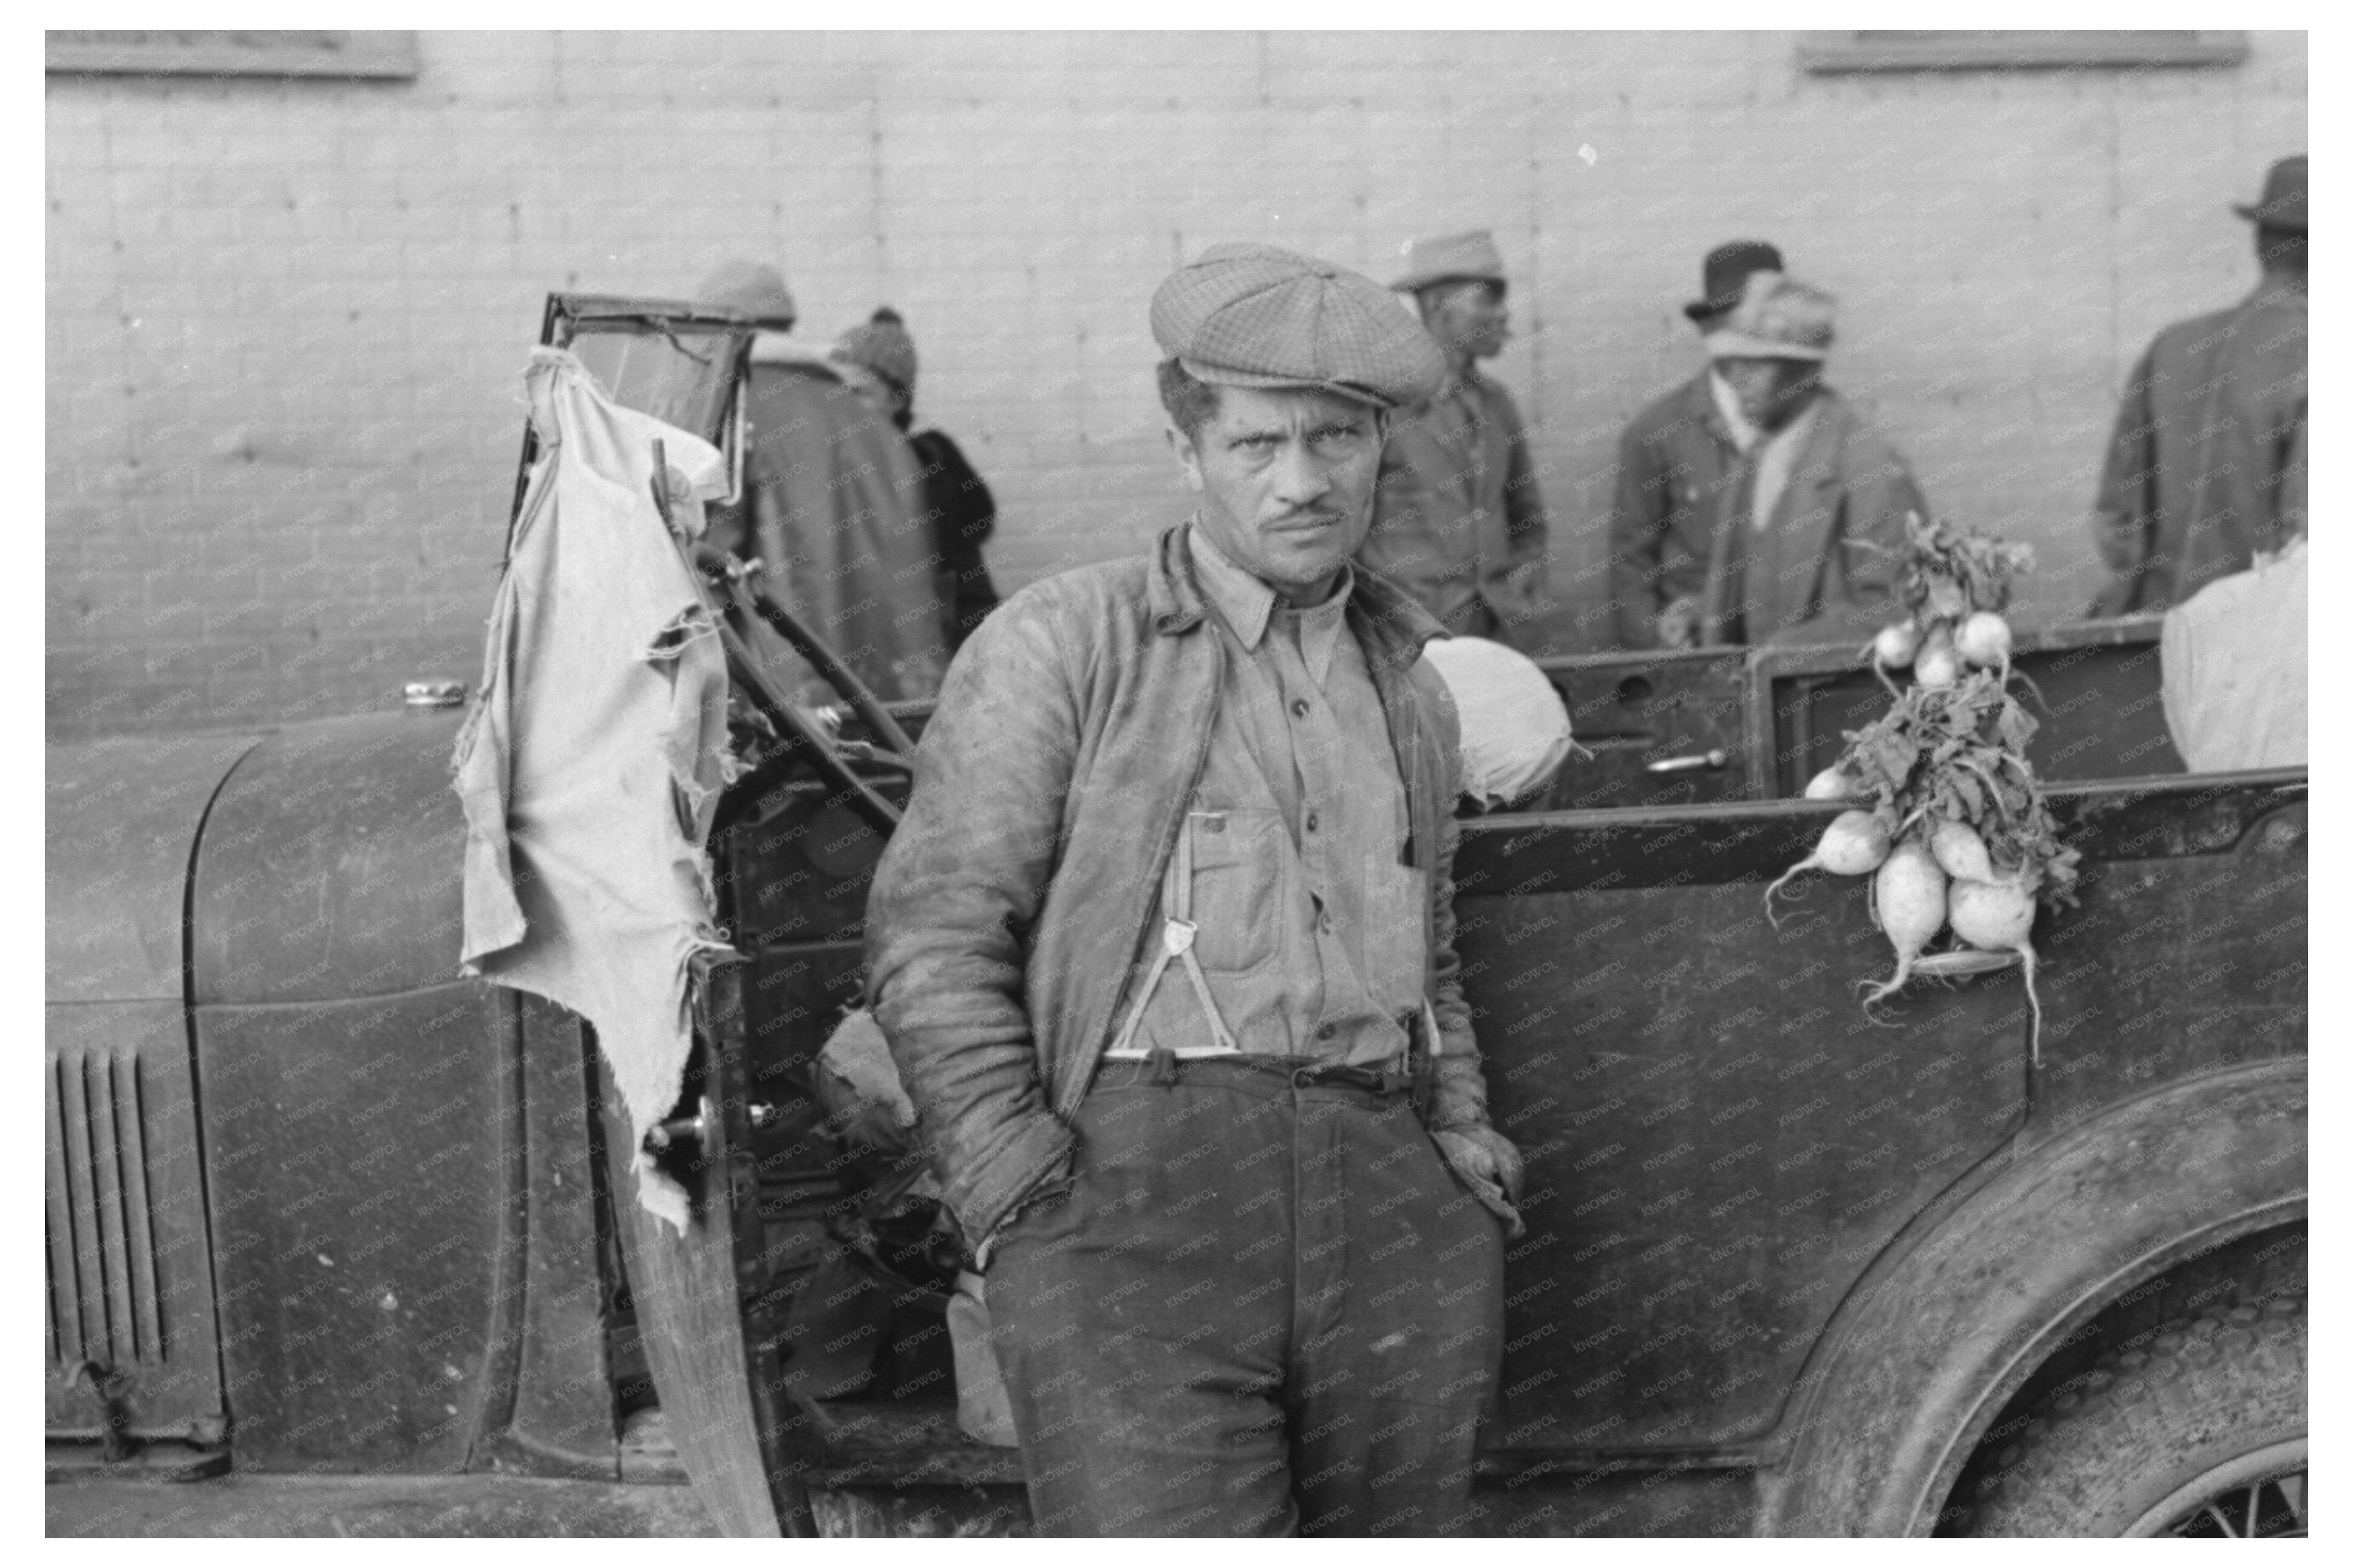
x: 286, y: 320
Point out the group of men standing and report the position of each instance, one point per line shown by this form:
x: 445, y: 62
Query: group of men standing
x: 1752, y: 503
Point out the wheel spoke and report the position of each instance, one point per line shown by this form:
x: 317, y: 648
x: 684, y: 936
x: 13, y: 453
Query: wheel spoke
x: 2283, y: 1515
x: 2220, y: 1523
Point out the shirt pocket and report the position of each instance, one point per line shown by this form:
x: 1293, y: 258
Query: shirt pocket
x: 1239, y: 858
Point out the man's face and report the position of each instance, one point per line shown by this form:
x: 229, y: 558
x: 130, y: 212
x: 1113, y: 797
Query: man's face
x: 1467, y: 316
x: 1286, y: 483
x: 1771, y: 391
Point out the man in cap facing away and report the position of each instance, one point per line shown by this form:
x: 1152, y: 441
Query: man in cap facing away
x: 1163, y: 952
x: 1676, y: 461
x: 878, y: 359
x: 1804, y: 547
x: 2207, y: 465
x: 1459, y: 522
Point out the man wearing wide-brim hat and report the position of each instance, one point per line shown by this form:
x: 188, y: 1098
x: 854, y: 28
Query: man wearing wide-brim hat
x: 1460, y: 521
x: 1164, y: 953
x: 2207, y: 463
x: 1677, y: 458
x: 1805, y: 545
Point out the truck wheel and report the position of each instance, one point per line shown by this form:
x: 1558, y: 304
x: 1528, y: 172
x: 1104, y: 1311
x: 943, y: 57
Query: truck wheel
x: 2198, y: 1432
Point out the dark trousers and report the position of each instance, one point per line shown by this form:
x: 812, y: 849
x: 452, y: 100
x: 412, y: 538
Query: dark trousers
x: 1260, y: 1309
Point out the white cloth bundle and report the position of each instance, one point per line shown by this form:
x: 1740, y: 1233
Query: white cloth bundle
x: 1514, y: 725
x: 2236, y: 679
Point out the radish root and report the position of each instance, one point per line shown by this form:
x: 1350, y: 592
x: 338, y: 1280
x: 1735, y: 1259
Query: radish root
x: 2025, y: 951
x: 1886, y: 988
x: 1807, y: 864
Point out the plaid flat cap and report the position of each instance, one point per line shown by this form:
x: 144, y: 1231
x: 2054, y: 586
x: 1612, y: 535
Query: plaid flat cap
x: 1471, y: 255
x: 1256, y: 315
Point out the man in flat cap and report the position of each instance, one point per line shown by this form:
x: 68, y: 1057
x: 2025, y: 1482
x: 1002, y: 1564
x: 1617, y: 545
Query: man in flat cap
x: 1804, y: 546
x: 832, y: 509
x: 1676, y: 461
x: 1163, y: 952
x: 1459, y: 522
x: 2207, y: 463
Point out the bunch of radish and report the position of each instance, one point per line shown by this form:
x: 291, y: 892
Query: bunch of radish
x: 1946, y: 818
x: 1955, y: 586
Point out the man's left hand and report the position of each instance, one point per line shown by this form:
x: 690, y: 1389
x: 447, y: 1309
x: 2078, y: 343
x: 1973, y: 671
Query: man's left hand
x: 1481, y: 1154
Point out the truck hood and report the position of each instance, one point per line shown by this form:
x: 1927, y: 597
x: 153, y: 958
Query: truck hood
x: 331, y: 865
x: 318, y: 861
x: 123, y: 820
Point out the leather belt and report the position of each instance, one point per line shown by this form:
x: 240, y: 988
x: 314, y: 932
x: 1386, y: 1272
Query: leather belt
x: 1393, y: 1077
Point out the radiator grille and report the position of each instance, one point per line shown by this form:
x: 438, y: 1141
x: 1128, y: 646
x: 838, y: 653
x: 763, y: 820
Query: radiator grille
x: 103, y: 1302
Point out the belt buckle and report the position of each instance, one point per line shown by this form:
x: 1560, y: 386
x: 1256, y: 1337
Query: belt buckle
x: 1378, y: 1081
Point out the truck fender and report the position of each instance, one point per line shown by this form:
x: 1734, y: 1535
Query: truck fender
x: 1923, y: 1352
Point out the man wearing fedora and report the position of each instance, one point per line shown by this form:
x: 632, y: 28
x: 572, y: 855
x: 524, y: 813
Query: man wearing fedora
x: 1804, y: 544
x: 1676, y: 461
x: 1164, y: 953
x: 2207, y: 463
x: 1459, y: 522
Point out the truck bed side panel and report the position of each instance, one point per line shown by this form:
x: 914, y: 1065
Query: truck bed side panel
x: 1720, y: 1142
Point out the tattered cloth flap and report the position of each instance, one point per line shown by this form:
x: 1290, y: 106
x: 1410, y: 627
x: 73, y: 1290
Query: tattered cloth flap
x: 591, y: 763
x: 2237, y: 679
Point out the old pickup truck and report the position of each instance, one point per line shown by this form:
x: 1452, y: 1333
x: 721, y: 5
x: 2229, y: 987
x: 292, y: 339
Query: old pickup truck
x: 339, y: 1241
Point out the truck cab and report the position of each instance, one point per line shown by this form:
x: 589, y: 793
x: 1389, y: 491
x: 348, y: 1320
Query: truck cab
x: 319, y: 1207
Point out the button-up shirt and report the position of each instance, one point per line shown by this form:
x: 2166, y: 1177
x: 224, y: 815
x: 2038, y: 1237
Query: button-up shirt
x: 1309, y: 922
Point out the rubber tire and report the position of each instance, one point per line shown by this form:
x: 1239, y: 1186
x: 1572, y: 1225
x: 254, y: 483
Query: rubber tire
x: 2142, y: 1422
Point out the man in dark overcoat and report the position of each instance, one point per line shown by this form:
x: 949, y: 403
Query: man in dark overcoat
x: 2207, y: 462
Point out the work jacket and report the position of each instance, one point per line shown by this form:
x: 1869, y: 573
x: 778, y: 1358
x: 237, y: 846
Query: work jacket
x: 2206, y: 465
x: 1009, y: 911
x: 1458, y: 515
x: 1676, y: 463
x: 1829, y: 564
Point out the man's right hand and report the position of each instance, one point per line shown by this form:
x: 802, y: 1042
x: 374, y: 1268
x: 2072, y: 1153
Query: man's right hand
x: 1678, y: 624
